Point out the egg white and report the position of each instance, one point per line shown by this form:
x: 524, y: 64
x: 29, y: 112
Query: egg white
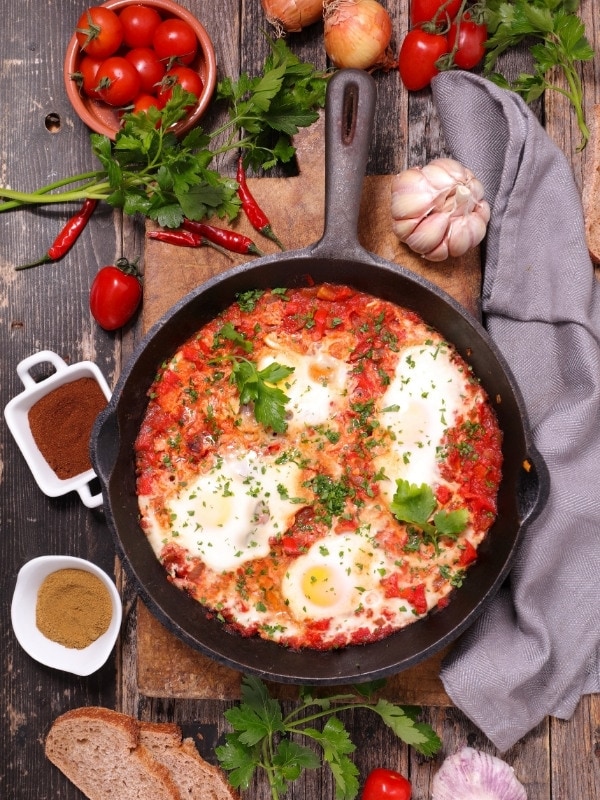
x: 316, y: 387
x: 424, y: 396
x: 332, y: 578
x: 228, y: 515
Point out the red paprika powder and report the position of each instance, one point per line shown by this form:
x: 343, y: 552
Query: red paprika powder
x: 61, y: 424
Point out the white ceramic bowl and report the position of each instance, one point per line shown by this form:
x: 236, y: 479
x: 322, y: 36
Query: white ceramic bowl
x: 16, y: 412
x: 32, y: 640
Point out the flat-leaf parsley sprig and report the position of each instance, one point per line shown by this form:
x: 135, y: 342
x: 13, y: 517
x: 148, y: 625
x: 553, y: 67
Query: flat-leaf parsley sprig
x: 266, y: 739
x: 558, y: 42
x: 416, y: 505
x: 257, y: 387
x: 148, y: 170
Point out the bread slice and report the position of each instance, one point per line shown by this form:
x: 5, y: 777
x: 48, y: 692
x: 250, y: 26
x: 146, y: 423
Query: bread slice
x: 99, y: 750
x: 591, y: 188
x: 196, y: 779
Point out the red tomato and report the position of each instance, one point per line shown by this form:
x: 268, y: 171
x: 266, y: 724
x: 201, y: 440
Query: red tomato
x: 149, y: 67
x: 186, y: 77
x: 88, y: 70
x: 139, y: 23
x: 425, y: 10
x: 115, y: 295
x: 175, y: 39
x: 472, y: 37
x: 99, y: 32
x: 145, y: 101
x: 418, y: 55
x: 386, y: 784
x: 118, y: 81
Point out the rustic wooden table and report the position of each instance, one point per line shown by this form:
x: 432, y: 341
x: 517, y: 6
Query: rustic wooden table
x: 40, y: 140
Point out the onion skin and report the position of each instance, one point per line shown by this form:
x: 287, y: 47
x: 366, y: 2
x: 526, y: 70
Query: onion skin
x: 439, y: 210
x: 357, y: 34
x: 292, y: 16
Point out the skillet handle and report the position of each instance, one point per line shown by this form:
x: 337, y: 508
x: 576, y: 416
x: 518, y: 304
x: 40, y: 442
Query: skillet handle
x: 349, y: 115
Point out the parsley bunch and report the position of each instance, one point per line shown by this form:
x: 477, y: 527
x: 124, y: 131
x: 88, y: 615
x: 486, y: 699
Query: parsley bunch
x: 264, y: 738
x: 559, y: 43
x: 148, y: 170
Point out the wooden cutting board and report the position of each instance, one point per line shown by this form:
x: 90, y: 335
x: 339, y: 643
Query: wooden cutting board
x: 167, y: 667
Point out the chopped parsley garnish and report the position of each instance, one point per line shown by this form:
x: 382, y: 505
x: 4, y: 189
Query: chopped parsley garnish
x: 331, y: 495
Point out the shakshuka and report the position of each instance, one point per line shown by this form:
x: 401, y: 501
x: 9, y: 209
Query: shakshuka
x: 317, y: 467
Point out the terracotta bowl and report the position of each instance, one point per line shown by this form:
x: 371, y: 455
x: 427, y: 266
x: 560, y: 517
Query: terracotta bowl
x: 105, y: 119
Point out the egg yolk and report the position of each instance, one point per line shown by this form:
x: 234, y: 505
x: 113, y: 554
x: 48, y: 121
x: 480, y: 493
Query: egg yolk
x: 318, y: 586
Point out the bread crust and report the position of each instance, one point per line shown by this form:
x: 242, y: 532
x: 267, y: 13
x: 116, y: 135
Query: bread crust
x: 107, y: 754
x: 591, y: 189
x: 196, y: 778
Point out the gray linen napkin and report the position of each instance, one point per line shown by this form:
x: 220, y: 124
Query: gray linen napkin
x: 536, y: 649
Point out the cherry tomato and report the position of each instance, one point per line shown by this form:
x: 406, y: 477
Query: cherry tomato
x: 86, y: 75
x: 143, y: 102
x: 186, y: 77
x: 99, y: 32
x: 175, y: 39
x: 425, y: 10
x: 472, y: 37
x: 149, y: 67
x: 418, y: 55
x: 115, y: 295
x: 139, y: 23
x: 386, y: 784
x: 118, y: 81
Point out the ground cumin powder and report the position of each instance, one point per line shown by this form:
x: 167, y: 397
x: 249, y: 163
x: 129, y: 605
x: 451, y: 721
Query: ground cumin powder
x: 73, y: 608
x: 61, y: 424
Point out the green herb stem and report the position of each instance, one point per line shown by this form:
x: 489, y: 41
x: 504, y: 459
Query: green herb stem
x: 148, y: 170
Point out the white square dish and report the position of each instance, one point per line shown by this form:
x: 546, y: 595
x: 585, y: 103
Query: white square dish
x: 16, y: 415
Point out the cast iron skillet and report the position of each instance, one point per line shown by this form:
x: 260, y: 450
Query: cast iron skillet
x: 336, y: 257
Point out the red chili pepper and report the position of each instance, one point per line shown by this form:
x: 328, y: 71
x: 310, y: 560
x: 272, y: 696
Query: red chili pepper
x: 184, y: 239
x: 258, y: 218
x: 67, y: 236
x: 230, y: 240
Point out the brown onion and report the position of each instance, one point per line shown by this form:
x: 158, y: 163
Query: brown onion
x: 291, y: 16
x: 358, y: 34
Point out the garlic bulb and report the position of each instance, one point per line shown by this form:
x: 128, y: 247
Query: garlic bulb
x: 439, y: 210
x: 473, y: 775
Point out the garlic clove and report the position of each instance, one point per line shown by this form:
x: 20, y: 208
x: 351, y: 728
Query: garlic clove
x: 428, y: 234
x: 412, y: 195
x: 404, y: 227
x: 439, y: 175
x: 472, y: 775
x: 439, y: 253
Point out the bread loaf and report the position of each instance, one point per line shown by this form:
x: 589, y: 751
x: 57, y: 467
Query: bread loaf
x: 110, y: 755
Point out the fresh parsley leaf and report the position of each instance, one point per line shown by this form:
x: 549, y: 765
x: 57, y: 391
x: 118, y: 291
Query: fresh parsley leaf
x: 412, y: 503
x: 403, y: 723
x: 147, y: 170
x: 557, y: 41
x: 415, y: 505
x: 263, y: 739
x: 227, y: 331
x: 247, y: 300
x: 258, y: 387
